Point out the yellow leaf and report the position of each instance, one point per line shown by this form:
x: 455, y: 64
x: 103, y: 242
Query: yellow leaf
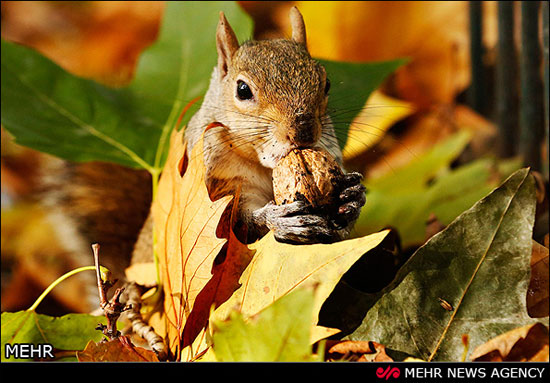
x: 143, y: 274
x: 185, y: 222
x: 278, y: 268
x: 379, y: 114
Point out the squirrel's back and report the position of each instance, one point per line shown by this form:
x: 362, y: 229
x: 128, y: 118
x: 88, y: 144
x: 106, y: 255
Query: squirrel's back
x: 97, y: 202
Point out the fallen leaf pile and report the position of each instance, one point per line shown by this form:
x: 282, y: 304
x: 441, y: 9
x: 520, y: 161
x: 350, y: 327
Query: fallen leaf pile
x: 249, y: 278
x: 461, y: 273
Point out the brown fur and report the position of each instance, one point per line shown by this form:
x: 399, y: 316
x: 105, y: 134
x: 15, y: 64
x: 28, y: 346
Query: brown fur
x: 106, y: 203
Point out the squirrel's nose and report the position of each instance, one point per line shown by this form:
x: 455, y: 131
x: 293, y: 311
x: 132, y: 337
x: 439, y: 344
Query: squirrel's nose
x: 304, y: 130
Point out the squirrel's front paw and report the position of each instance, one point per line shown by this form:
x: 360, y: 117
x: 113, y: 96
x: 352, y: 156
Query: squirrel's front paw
x: 350, y: 201
x: 296, y: 223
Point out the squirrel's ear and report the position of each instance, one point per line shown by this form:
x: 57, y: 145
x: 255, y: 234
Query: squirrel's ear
x: 226, y: 43
x: 298, y: 26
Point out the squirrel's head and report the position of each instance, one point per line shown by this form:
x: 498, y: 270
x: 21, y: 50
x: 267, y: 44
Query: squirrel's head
x: 274, y: 88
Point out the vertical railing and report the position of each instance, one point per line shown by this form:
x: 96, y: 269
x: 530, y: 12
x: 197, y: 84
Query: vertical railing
x: 531, y: 103
x: 546, y: 65
x: 521, y: 91
x: 477, y: 94
x: 506, y: 83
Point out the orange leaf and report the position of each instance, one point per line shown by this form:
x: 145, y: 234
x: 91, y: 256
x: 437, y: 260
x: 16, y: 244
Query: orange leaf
x: 354, y: 350
x: 116, y: 350
x: 537, y: 293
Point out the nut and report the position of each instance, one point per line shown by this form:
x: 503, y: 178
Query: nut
x: 309, y: 174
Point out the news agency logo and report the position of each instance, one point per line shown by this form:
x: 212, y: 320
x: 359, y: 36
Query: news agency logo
x: 389, y: 372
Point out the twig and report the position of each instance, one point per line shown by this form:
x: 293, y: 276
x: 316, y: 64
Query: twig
x: 113, y: 308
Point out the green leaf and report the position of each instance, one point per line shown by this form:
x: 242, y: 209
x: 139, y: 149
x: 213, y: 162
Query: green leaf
x: 351, y: 86
x: 177, y: 68
x: 479, y: 264
x: 69, y: 332
x: 279, y: 333
x: 48, y: 109
x: 405, y: 198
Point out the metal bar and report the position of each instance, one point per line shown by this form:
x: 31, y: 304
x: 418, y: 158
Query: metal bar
x: 477, y: 93
x: 507, y: 88
x: 546, y: 84
x: 531, y: 106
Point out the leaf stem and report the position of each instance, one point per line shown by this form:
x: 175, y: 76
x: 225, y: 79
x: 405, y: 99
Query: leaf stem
x: 56, y: 282
x: 155, y: 175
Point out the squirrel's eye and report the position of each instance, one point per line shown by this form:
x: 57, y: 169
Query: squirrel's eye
x: 327, y: 86
x: 243, y: 91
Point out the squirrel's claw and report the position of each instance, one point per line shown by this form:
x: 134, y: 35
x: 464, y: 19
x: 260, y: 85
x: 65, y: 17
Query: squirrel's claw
x: 302, y: 229
x: 351, y: 199
x: 299, y: 223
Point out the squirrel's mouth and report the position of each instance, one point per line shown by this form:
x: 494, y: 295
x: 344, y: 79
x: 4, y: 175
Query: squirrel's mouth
x: 282, y: 154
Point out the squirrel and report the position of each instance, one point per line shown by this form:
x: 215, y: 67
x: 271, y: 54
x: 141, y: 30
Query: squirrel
x: 267, y: 97
x: 271, y: 97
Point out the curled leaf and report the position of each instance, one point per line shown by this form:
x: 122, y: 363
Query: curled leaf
x: 359, y: 351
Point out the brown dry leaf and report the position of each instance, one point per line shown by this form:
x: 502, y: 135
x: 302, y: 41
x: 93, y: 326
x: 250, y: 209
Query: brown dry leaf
x: 523, y: 344
x: 356, y: 351
x: 224, y: 281
x: 120, y: 349
x: 538, y: 291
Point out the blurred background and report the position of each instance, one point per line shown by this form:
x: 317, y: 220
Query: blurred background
x: 473, y: 66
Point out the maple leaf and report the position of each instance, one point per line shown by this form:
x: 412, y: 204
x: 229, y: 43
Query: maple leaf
x: 278, y: 268
x: 185, y: 226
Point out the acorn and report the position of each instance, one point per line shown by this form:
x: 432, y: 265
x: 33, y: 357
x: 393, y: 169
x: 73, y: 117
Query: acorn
x: 306, y: 174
